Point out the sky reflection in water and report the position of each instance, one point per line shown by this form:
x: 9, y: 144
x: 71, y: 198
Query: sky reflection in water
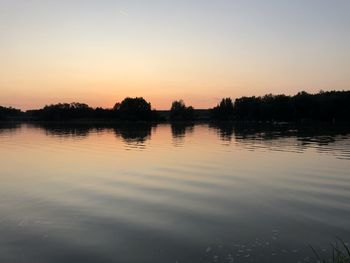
x: 172, y: 193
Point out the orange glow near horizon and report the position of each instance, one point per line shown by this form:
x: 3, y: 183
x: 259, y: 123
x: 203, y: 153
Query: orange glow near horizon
x: 101, y: 52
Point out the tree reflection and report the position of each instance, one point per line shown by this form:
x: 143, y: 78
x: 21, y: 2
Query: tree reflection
x: 8, y: 127
x: 179, y: 130
x: 66, y: 130
x: 224, y: 130
x: 282, y: 137
x: 130, y: 133
x: 134, y: 133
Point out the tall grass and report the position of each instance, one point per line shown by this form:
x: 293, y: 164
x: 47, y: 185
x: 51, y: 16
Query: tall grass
x: 339, y: 254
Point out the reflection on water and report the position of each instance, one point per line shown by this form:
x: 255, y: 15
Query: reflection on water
x: 287, y: 137
x: 133, y: 135
x: 179, y: 130
x: 283, y: 137
x: 172, y: 193
x: 6, y: 128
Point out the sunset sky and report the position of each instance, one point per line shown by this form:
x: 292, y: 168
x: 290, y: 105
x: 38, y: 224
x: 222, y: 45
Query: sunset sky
x: 101, y: 51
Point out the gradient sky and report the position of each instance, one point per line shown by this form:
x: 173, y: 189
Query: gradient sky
x: 101, y: 51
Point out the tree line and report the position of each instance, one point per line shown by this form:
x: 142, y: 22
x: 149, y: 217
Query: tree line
x: 6, y: 113
x: 322, y: 106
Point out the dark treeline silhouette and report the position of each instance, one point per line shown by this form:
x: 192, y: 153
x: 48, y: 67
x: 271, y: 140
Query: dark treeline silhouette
x: 134, y: 109
x: 9, y: 113
x: 130, y: 109
x: 224, y: 111
x: 180, y: 112
x: 331, y: 106
x: 64, y: 111
x: 323, y: 106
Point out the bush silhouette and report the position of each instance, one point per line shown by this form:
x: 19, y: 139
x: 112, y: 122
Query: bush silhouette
x: 224, y: 110
x: 323, y: 106
x: 6, y: 113
x: 179, y: 111
x: 134, y: 109
x: 65, y: 111
x: 331, y: 106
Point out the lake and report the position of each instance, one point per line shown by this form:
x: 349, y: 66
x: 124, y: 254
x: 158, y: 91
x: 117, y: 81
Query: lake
x: 172, y: 193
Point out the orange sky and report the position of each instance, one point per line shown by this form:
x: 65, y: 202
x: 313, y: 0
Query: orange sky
x: 100, y: 52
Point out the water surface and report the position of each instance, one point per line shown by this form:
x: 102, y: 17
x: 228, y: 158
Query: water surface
x: 172, y: 193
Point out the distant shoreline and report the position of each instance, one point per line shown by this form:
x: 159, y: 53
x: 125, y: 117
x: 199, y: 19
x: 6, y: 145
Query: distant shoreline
x: 170, y: 122
x: 330, y: 107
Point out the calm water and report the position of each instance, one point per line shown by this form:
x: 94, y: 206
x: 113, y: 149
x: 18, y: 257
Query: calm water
x: 142, y: 193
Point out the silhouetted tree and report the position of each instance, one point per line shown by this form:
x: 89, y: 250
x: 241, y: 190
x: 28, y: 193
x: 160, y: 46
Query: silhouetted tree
x: 179, y: 111
x: 323, y: 106
x: 224, y: 110
x: 65, y: 111
x: 134, y: 109
x: 9, y: 113
x: 247, y: 108
x: 328, y: 106
x: 101, y: 113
